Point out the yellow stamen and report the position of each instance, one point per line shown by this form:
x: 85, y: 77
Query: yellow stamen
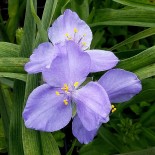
x: 84, y: 34
x: 84, y: 43
x: 68, y: 36
x: 65, y: 88
x: 65, y: 102
x: 113, y: 108
x: 75, y: 30
x: 57, y: 93
x: 76, y: 84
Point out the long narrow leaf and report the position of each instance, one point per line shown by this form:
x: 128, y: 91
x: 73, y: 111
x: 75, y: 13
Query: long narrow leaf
x: 150, y: 151
x: 146, y: 72
x: 49, y: 145
x: 143, y: 34
x: 144, y: 4
x: 18, y: 76
x: 42, y: 31
x: 145, y: 58
x: 9, y: 49
x: 17, y: 138
x: 133, y: 17
x: 4, y: 110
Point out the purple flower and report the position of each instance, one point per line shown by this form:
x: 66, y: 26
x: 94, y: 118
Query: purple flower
x: 69, y: 27
x: 120, y: 86
x: 49, y: 106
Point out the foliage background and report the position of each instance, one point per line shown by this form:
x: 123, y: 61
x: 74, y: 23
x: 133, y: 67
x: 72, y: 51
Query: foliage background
x: 126, y: 27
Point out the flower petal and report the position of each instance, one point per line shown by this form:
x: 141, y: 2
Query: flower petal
x: 120, y: 85
x: 71, y: 65
x: 81, y: 133
x: 45, y: 110
x: 92, y: 104
x: 102, y: 60
x: 70, y: 27
x: 41, y: 58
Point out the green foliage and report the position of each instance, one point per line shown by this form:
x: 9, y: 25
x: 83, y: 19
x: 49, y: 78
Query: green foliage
x: 125, y: 26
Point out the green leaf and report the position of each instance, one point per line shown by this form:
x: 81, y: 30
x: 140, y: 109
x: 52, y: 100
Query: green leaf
x: 3, y: 144
x: 110, y: 138
x: 145, y: 58
x: 148, y: 133
x: 144, y: 4
x: 143, y: 34
x: 15, y: 132
x: 98, y: 36
x: 97, y: 147
x: 18, y: 76
x: 9, y: 49
x: 12, y: 64
x: 81, y: 7
x: 49, y: 144
x: 7, y: 82
x: 42, y: 31
x: 147, y: 115
x: 150, y: 151
x: 47, y: 17
x: 18, y: 144
x: 133, y: 17
x: 145, y: 72
x: 59, y: 137
x: 48, y: 13
x: 13, y: 7
x: 5, y: 110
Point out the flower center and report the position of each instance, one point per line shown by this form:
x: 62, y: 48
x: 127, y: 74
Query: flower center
x: 70, y: 37
x: 67, y: 90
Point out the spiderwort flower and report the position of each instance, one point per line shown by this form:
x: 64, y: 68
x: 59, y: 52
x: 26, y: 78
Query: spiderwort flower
x: 49, y: 106
x: 120, y: 86
x: 69, y: 27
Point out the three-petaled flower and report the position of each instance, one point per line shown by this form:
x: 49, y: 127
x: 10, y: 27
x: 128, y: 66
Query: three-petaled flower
x: 65, y: 64
x: 49, y: 107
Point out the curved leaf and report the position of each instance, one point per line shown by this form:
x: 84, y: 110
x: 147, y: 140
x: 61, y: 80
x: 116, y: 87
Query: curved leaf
x: 143, y: 34
x: 145, y: 58
x: 144, y: 4
x: 133, y: 17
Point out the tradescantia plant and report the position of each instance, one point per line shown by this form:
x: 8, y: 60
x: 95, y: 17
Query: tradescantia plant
x: 64, y: 69
x: 73, y: 95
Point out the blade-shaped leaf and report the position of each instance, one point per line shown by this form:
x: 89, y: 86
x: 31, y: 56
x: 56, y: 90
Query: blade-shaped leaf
x: 133, y: 17
x: 9, y: 49
x: 150, y: 151
x: 42, y: 31
x: 144, y: 4
x: 145, y: 72
x: 143, y: 34
x: 145, y: 58
x: 18, y: 76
